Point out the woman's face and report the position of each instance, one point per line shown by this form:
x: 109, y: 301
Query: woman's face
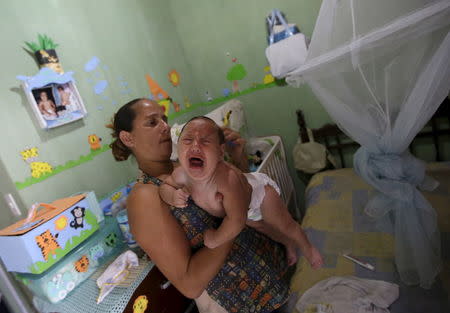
x: 150, y: 137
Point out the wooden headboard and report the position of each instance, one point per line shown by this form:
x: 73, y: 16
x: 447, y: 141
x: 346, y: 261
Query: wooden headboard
x: 338, y: 143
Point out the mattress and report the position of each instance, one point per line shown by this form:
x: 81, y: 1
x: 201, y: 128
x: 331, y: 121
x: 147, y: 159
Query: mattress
x: 336, y: 223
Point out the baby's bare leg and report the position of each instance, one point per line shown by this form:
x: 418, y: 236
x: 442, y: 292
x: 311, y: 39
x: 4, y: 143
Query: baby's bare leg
x: 276, y: 214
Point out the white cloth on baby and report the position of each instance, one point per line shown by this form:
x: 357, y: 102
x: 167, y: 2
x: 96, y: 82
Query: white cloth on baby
x: 205, y: 304
x: 115, y: 273
x: 349, y: 294
x: 258, y: 181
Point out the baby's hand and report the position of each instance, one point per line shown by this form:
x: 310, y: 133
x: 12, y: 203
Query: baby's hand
x: 208, y: 239
x: 180, y: 198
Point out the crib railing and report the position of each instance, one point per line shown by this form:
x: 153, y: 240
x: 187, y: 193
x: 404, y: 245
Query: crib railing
x: 275, y: 166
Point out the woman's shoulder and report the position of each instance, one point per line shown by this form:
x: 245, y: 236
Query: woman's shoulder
x: 142, y: 193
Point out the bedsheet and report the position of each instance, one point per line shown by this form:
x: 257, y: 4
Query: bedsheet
x: 336, y: 223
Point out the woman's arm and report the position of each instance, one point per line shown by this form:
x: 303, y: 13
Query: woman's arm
x: 235, y: 147
x: 161, y: 237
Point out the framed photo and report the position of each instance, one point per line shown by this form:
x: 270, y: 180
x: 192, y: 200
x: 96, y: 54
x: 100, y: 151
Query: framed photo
x: 54, y: 102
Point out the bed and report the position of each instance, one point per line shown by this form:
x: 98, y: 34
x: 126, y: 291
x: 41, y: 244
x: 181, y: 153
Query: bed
x: 335, y: 222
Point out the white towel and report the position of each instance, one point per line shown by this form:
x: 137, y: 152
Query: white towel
x: 349, y: 295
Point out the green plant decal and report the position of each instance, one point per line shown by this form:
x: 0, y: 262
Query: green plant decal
x: 236, y: 72
x: 39, y: 266
x: 44, y: 43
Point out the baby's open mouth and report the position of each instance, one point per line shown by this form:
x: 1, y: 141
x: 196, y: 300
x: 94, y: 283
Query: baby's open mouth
x: 195, y: 163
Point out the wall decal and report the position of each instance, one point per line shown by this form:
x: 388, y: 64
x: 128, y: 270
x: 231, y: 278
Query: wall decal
x: 123, y: 86
x: 187, y: 103
x: 208, y: 97
x: 175, y: 105
x: 156, y: 90
x: 44, y: 51
x: 174, y: 78
x: 37, y: 168
x: 92, y: 64
x: 237, y: 72
x: 166, y: 105
x: 94, y: 142
x: 268, y: 78
x: 60, y: 168
x: 100, y: 87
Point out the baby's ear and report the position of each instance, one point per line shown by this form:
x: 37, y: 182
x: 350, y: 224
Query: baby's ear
x: 126, y: 138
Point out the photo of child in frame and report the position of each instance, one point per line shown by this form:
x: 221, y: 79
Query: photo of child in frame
x: 46, y: 102
x: 65, y: 98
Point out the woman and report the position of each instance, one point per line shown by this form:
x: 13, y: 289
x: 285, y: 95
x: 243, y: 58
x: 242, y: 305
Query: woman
x: 240, y: 276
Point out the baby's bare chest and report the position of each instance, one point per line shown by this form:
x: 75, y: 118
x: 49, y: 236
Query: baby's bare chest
x: 209, y: 199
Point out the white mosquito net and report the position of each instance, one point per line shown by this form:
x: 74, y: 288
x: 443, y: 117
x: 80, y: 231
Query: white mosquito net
x: 381, y: 69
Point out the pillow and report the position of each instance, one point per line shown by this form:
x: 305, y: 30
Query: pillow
x: 230, y: 113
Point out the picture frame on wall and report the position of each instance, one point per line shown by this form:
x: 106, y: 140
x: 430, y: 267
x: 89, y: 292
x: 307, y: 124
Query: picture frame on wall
x: 55, y: 100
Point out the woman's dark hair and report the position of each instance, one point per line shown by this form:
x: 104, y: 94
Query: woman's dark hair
x: 202, y: 117
x: 122, y: 120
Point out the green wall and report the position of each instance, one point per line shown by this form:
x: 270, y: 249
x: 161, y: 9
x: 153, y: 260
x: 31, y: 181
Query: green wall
x: 131, y: 38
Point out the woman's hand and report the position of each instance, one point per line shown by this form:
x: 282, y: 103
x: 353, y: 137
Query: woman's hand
x: 235, y: 147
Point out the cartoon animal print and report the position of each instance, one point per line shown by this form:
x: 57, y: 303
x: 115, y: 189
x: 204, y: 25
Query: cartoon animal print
x: 48, y: 244
x: 94, y: 142
x: 60, y: 285
x: 111, y: 240
x: 96, y: 252
x: 37, y: 168
x: 82, y: 264
x: 78, y: 217
x: 140, y: 304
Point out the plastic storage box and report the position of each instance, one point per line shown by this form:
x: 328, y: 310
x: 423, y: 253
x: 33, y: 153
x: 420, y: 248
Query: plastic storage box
x: 78, y: 265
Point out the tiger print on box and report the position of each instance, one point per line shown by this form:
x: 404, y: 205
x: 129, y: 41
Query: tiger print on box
x: 48, y: 244
x: 82, y: 264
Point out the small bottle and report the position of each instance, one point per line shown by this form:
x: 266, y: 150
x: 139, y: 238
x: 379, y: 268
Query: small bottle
x: 122, y: 219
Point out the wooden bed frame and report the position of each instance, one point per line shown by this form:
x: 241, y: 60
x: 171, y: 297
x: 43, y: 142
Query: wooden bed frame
x: 338, y: 143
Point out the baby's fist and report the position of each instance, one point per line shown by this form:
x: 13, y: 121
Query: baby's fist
x: 180, y: 198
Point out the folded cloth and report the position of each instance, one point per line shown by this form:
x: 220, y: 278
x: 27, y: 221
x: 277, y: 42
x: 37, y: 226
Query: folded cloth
x: 348, y: 295
x: 115, y: 273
